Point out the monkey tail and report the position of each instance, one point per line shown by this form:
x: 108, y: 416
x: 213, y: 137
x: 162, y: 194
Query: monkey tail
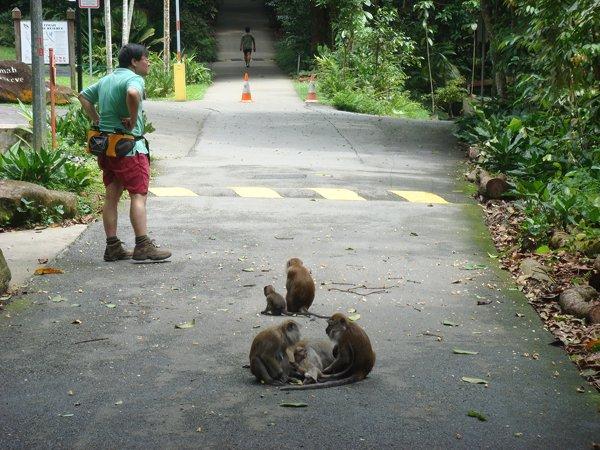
x: 306, y: 314
x: 323, y: 385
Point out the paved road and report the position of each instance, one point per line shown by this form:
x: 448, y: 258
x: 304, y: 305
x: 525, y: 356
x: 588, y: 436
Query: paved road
x: 147, y: 384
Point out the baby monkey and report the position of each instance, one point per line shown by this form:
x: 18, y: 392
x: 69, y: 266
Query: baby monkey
x: 310, y: 358
x: 354, y: 356
x: 277, y: 306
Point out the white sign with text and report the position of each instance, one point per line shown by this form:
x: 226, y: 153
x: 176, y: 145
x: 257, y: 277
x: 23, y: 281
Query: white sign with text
x: 56, y: 36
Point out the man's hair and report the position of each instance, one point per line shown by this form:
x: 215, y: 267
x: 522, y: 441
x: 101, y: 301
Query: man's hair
x: 247, y: 29
x: 129, y: 52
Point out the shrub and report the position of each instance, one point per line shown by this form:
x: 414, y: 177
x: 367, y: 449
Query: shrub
x: 74, y: 125
x: 49, y: 168
x: 196, y: 72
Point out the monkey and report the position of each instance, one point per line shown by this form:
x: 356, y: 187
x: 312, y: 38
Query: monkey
x: 277, y: 306
x: 300, y: 287
x: 307, y: 363
x: 310, y: 357
x: 270, y: 353
x: 354, y: 356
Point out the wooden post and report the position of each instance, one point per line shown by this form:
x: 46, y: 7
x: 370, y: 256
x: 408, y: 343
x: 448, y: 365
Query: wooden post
x: 38, y: 86
x: 108, y: 36
x: 71, y: 31
x: 52, y: 96
x: 16, y: 15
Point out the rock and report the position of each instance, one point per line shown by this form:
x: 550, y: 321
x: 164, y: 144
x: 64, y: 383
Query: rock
x: 12, y: 191
x: 595, y: 275
x: 559, y: 239
x: 579, y: 301
x: 532, y: 268
x: 64, y: 94
x: 5, y: 275
x: 15, y: 82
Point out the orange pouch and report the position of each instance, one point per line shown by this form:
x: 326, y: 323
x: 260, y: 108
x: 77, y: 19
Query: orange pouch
x: 110, y: 144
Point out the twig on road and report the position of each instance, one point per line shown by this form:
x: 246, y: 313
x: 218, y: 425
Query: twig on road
x: 91, y: 340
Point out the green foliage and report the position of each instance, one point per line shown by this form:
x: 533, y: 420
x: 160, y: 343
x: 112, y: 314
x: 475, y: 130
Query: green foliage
x: 453, y: 92
x: 160, y: 83
x: 74, y: 125
x: 30, y: 212
x: 7, y: 30
x: 197, y: 36
x: 50, y: 168
x: 196, y: 72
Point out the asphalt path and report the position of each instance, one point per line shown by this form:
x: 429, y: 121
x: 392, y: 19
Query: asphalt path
x: 105, y: 367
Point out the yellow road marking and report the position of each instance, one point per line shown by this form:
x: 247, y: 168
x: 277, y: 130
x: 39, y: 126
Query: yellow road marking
x: 338, y: 194
x: 172, y: 192
x: 256, y: 192
x: 419, y: 196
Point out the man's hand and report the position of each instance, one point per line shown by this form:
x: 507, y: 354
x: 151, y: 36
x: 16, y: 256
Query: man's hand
x: 89, y: 109
x: 127, y: 123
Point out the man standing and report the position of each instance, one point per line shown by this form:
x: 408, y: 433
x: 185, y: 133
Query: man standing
x: 119, y: 97
x: 247, y: 45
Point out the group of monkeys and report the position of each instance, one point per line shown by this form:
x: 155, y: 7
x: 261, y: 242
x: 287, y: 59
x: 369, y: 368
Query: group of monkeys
x: 278, y: 354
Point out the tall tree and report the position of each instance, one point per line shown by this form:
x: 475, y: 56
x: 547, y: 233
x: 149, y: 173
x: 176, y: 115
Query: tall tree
x: 167, y: 34
x: 108, y: 34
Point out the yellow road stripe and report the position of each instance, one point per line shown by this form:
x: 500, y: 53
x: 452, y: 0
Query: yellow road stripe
x: 256, y: 192
x: 338, y: 194
x: 420, y: 197
x: 172, y: 192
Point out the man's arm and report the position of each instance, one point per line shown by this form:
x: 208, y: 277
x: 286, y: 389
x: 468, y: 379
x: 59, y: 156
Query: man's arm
x: 133, y: 104
x: 253, y: 44
x: 89, y: 109
x: 241, y: 42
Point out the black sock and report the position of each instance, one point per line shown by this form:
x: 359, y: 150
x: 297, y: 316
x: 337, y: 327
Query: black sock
x: 112, y: 240
x: 141, y: 239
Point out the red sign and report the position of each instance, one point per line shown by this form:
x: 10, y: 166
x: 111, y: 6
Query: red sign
x: 90, y: 4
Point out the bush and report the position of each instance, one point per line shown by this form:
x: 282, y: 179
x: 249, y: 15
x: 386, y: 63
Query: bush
x: 347, y: 100
x: 197, y: 36
x: 160, y: 83
x: 196, y: 72
x: 49, y: 168
x: 74, y: 125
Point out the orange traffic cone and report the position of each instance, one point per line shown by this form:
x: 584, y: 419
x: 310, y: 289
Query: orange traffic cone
x: 246, y: 95
x: 312, y: 91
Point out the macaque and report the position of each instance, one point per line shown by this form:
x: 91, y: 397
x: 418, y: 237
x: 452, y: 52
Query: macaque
x: 310, y: 357
x: 300, y: 287
x: 354, y: 356
x: 271, y: 352
x: 276, y: 305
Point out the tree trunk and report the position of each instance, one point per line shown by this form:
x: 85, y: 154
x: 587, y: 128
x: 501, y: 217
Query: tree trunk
x: 124, y: 37
x: 108, y: 33
x: 320, y: 27
x: 130, y: 17
x: 487, y: 12
x: 492, y: 187
x: 166, y: 35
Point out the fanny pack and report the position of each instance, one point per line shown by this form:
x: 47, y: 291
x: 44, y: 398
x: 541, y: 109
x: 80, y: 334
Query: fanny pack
x: 114, y: 145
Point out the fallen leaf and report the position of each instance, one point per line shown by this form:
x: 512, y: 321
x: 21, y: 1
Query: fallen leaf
x: 212, y: 238
x: 185, y: 325
x: 450, y: 324
x: 66, y: 415
x: 42, y: 260
x: 71, y: 392
x: 588, y: 373
x: 413, y: 233
x: 492, y: 256
x: 58, y: 299
x: 352, y: 310
x: 249, y: 285
x: 543, y: 250
x: 580, y: 389
x: 349, y: 248
x: 199, y: 430
x: 250, y: 269
x: 293, y: 404
x: 284, y: 238
x: 222, y: 309
x: 110, y: 305
x: 76, y: 322
x: 459, y: 351
x: 518, y: 434
x: 354, y: 317
x: 119, y: 402
x: 75, y: 305
x: 519, y: 315
x: 47, y: 271
x: 474, y: 380
x: 477, y: 415
x: 256, y: 326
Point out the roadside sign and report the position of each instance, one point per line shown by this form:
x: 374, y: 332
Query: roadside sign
x: 55, y: 36
x: 90, y: 4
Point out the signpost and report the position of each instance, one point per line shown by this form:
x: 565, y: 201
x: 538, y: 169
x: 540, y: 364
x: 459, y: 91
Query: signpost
x: 89, y: 5
x: 55, y: 35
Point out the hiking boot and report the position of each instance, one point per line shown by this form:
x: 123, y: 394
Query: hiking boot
x: 116, y: 252
x: 150, y: 250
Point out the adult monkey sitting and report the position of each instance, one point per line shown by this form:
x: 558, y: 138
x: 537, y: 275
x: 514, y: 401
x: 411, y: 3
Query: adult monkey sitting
x: 354, y: 356
x: 119, y: 97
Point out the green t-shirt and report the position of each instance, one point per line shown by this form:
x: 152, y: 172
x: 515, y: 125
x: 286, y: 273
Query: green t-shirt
x: 110, y: 94
x: 247, y: 42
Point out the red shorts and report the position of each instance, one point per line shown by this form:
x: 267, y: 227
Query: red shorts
x: 132, y: 171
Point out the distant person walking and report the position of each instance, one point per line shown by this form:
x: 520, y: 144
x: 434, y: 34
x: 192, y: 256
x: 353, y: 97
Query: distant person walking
x: 119, y: 98
x: 247, y: 45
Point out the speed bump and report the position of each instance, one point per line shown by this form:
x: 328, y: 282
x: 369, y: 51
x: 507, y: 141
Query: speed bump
x: 420, y: 197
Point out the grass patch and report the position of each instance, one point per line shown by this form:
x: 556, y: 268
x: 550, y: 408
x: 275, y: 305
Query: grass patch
x: 301, y: 88
x: 195, y: 91
x: 66, y: 81
x: 7, y: 53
